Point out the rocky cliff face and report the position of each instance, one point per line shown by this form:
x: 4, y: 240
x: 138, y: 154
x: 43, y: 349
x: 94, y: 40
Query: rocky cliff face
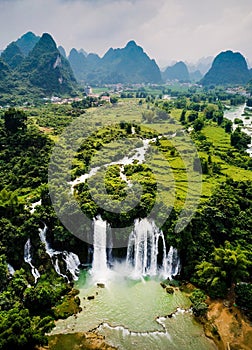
x: 44, y: 68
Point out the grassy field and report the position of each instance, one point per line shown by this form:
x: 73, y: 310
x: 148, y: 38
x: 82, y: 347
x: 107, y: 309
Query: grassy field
x: 168, y: 166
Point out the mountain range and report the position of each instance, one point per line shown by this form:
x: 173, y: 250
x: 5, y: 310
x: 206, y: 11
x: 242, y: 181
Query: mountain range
x: 34, y: 64
x: 127, y: 65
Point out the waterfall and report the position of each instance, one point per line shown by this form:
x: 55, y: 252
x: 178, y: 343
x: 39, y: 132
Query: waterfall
x: 173, y: 263
x: 99, y: 265
x: 71, y: 260
x: 145, y: 255
x: 34, y: 205
x: 28, y: 259
x: 11, y: 269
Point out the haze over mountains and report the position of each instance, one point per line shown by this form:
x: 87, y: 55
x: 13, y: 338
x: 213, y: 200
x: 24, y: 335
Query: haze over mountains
x: 178, y: 71
x: 35, y: 64
x: 127, y: 65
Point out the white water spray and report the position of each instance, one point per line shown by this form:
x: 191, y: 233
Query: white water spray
x: 28, y: 259
x: 144, y: 247
x: 146, y: 253
x: 173, y: 263
x: 11, y: 269
x: 100, y: 268
x: 71, y: 260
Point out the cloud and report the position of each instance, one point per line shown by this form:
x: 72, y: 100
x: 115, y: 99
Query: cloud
x: 166, y: 29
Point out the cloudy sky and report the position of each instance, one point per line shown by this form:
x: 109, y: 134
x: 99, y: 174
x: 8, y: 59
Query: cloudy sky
x: 167, y: 29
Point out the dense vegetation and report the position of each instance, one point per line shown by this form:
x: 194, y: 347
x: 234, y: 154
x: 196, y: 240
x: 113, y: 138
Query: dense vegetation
x: 228, y: 68
x: 215, y: 247
x: 26, y: 310
x: 33, y: 69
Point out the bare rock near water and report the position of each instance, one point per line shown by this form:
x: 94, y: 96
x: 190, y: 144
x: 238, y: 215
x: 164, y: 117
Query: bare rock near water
x: 169, y: 290
x: 163, y: 285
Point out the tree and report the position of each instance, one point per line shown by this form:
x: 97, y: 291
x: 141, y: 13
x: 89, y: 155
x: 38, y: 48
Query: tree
x: 40, y: 297
x: 148, y: 115
x: 199, y: 307
x: 9, y: 203
x: 19, y: 331
x: 19, y: 282
x: 161, y: 114
x: 198, y: 124
x: 113, y: 100
x: 249, y: 102
x: 227, y: 266
x: 219, y: 116
x: 228, y: 126
x: 243, y: 292
x: 14, y: 120
x: 240, y: 139
x: 3, y: 272
x: 192, y: 116
x: 209, y: 111
x: 183, y: 117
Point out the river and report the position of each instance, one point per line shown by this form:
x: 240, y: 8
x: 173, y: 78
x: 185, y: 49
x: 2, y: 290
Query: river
x: 238, y: 112
x: 133, y: 314
x: 124, y: 301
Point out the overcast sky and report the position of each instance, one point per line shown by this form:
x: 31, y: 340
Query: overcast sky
x: 166, y: 29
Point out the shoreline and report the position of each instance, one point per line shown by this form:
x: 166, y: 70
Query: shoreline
x: 224, y: 325
x: 227, y: 326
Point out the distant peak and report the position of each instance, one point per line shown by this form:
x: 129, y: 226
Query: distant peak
x: 180, y: 63
x: 73, y: 51
x: 46, y: 36
x: 27, y: 42
x: 48, y: 39
x: 28, y: 34
x: 131, y: 43
x: 229, y: 55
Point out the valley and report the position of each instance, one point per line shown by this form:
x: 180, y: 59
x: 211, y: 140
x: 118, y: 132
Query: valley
x: 125, y: 200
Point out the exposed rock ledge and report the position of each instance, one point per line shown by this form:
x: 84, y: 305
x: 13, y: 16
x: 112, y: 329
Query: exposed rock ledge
x: 227, y: 327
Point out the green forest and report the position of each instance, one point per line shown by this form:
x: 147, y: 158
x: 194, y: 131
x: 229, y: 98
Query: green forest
x: 215, y: 247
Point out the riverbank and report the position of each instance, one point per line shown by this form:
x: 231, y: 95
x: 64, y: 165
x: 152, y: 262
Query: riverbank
x: 227, y: 326
x: 77, y: 341
x: 224, y: 324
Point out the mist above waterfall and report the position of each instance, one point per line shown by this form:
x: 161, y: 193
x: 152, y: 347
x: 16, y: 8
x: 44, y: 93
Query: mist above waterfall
x: 146, y: 253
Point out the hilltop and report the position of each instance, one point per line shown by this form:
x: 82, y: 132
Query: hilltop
x: 228, y: 68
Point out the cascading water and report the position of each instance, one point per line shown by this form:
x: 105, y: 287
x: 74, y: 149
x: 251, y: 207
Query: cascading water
x: 28, y: 259
x: 173, y: 263
x: 71, y: 260
x: 11, y: 269
x: 146, y: 252
x: 144, y: 249
x: 100, y: 262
